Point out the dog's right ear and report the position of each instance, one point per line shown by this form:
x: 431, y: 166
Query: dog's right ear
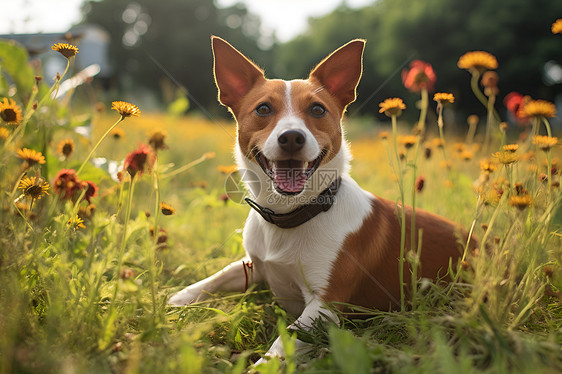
x: 234, y: 74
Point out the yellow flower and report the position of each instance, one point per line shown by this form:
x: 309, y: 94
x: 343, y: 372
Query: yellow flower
x: 538, y: 109
x: 488, y: 166
x: 33, y: 188
x: 65, y: 147
x: 10, y: 112
x: 444, y: 98
x: 31, y: 157
x: 511, y: 147
x: 520, y: 201
x: 125, y: 109
x: 75, y: 223
x: 4, y: 133
x: 545, y: 142
x: 408, y: 141
x: 506, y: 158
x: 223, y: 169
x: 557, y: 26
x: 166, y: 209
x: 392, y: 107
x: 467, y: 155
x: 477, y: 60
x: 438, y: 143
x: 65, y: 49
x: 383, y: 135
x: 117, y: 133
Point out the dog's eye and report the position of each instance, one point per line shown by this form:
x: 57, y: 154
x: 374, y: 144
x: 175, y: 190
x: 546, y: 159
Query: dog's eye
x: 317, y: 110
x: 263, y: 110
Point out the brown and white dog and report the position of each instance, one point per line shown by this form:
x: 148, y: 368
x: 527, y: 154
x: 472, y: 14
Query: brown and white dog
x: 313, y: 234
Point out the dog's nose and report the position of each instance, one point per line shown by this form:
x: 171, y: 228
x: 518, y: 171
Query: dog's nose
x: 291, y: 141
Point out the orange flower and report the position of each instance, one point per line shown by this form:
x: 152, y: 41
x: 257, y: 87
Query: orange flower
x: 444, y: 98
x: 392, y: 107
x: 557, y: 26
x: 65, y: 49
x: 478, y: 60
x: 31, y: 157
x: 125, y: 109
x: 10, y: 112
x: 137, y: 160
x: 419, y: 76
x: 538, y: 109
x: 65, y: 147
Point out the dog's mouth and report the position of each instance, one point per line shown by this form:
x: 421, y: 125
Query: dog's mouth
x: 289, y: 176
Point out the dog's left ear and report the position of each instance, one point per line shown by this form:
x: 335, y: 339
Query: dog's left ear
x: 341, y: 71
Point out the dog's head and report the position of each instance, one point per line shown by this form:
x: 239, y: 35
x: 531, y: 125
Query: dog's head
x: 288, y: 130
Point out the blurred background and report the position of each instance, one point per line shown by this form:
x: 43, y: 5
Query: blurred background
x: 157, y: 52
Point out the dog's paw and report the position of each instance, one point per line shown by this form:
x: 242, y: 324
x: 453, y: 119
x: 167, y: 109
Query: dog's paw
x: 185, y: 297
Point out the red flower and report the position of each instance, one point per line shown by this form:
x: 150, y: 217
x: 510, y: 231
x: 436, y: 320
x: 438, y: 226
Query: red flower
x: 91, y: 190
x: 67, y: 183
x: 514, y: 102
x: 137, y: 160
x: 419, y: 76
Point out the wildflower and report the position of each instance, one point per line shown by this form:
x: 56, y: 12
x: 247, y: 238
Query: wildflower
x: 419, y: 76
x: 91, y: 190
x: 65, y: 49
x: 33, y: 188
x: 86, y: 212
x: 162, y: 237
x: 408, y: 141
x: 392, y: 107
x: 10, y: 112
x: 459, y: 147
x: 438, y: 142
x: 117, y: 133
x: 520, y: 201
x: 506, y: 158
x: 557, y: 26
x: 519, y: 189
x: 477, y: 60
x: 4, y: 133
x: 510, y: 147
x: 472, y: 120
x: 31, y: 157
x: 136, y: 161
x: 444, y: 98
x: 156, y: 139
x: 65, y: 147
x: 383, y: 135
x: 545, y: 142
x: 467, y: 155
x: 223, y: 169
x: 166, y: 209
x: 75, y: 223
x: 420, y: 183
x: 538, y: 109
x: 492, y: 197
x: 66, y: 183
x: 125, y: 109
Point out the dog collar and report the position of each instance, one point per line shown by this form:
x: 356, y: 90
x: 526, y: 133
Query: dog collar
x: 304, y: 213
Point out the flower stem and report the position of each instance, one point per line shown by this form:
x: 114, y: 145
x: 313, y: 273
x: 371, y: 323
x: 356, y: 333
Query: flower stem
x: 152, y: 248
x: 98, y: 143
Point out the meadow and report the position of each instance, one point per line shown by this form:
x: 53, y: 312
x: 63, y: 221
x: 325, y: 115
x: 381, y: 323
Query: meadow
x: 92, y: 248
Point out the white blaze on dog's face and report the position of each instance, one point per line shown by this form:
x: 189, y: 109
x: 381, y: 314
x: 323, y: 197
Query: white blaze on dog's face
x: 288, y: 128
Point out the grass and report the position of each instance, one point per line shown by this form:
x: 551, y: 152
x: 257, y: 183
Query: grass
x: 67, y: 306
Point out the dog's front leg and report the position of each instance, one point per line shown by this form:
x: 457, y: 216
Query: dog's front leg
x: 314, y: 310
x: 233, y: 278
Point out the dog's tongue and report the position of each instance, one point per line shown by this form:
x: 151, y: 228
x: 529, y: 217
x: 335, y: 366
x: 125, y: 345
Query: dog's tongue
x: 289, y: 175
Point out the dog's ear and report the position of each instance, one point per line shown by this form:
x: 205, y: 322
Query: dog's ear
x: 234, y: 73
x: 341, y: 71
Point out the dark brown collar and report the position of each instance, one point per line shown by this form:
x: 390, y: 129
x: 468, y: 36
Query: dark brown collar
x: 302, y: 214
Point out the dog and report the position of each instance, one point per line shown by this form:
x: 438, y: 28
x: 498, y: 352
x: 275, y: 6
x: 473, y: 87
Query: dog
x: 313, y: 234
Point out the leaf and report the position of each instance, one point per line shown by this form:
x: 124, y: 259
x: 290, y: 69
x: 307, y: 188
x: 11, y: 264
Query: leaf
x: 350, y: 354
x: 14, y: 61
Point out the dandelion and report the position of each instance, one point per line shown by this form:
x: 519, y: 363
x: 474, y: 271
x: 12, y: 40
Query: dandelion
x: 4, y: 133
x: 156, y: 139
x: 520, y: 201
x: 65, y: 49
x: 65, y: 148
x: 166, y: 209
x: 125, y: 109
x: 75, y: 223
x: 510, y: 147
x: 444, y: 98
x: 539, y: 109
x: 419, y: 76
x: 137, y: 160
x: 117, y: 133
x: 506, y: 158
x: 478, y: 60
x: 33, y: 188
x: 545, y: 143
x: 408, y: 141
x: 392, y: 107
x: 31, y: 157
x: 10, y: 112
x: 224, y: 169
x: 557, y: 26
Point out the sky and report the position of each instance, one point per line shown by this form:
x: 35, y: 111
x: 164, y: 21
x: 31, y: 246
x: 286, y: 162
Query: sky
x: 287, y: 17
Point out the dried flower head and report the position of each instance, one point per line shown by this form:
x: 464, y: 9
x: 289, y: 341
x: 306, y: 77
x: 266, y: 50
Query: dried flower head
x: 67, y: 184
x: 65, y: 49
x: 520, y: 201
x: 31, y: 157
x: 444, y: 98
x: 65, y: 147
x: 91, y: 190
x: 490, y: 79
x: 419, y: 76
x: 478, y: 60
x: 166, y: 209
x: 117, y: 133
x: 539, y: 109
x: 10, y: 112
x: 156, y: 139
x: 545, y: 143
x: 506, y: 158
x: 33, y: 187
x: 125, y: 109
x: 392, y: 107
x: 510, y: 147
x: 557, y: 26
x: 138, y: 160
